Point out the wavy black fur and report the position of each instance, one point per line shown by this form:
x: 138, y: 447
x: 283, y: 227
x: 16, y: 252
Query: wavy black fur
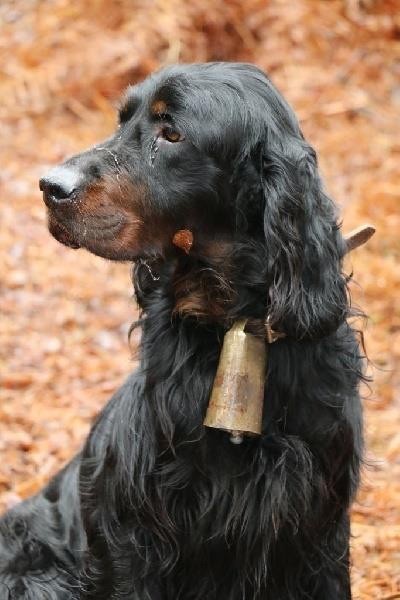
x: 157, y: 506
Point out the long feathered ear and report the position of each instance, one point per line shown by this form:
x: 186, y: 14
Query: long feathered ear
x: 307, y: 290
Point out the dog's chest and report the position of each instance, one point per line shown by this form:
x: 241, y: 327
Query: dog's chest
x: 207, y: 490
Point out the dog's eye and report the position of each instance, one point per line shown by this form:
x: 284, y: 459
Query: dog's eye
x: 171, y: 135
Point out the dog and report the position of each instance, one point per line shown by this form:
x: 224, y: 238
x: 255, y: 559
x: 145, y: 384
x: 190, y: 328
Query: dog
x: 209, y: 187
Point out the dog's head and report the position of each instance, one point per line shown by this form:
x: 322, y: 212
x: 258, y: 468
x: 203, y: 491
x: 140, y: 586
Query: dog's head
x: 214, y: 149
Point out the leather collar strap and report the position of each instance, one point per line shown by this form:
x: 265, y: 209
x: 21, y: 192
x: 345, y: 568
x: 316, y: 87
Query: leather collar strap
x: 271, y: 334
x: 357, y: 237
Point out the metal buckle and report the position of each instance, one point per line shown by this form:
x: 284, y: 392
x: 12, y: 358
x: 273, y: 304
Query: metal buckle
x: 271, y: 334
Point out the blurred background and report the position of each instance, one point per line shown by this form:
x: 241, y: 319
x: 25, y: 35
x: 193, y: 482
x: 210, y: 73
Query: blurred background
x: 65, y: 314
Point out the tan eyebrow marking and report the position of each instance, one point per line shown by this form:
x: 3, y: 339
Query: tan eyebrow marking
x: 159, y: 107
x: 128, y: 106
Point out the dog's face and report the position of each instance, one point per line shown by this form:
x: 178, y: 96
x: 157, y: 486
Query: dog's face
x: 160, y: 172
x: 215, y: 149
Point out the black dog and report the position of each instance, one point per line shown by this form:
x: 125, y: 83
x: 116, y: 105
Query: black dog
x: 158, y: 506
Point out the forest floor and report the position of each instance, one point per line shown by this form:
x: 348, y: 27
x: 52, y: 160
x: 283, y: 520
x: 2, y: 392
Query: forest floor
x: 65, y: 315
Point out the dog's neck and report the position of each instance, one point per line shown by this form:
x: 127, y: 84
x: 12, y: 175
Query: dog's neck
x: 181, y: 341
x: 203, y: 286
x: 215, y: 284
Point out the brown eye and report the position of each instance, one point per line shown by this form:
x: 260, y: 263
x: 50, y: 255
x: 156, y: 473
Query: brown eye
x: 171, y: 135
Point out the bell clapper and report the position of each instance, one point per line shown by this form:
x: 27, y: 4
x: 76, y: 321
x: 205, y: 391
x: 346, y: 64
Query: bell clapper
x: 236, y: 437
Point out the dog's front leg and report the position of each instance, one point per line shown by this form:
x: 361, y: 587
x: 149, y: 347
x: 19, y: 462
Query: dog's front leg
x: 113, y: 574
x: 121, y: 561
x: 42, y: 542
x: 334, y: 577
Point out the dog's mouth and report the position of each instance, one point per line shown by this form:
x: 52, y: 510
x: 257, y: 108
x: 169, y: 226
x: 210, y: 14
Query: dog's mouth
x: 61, y: 233
x: 111, y: 236
x: 88, y: 231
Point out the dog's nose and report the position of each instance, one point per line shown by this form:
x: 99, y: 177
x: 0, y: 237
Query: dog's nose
x: 59, y: 185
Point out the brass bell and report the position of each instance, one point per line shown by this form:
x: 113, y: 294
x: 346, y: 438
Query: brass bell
x: 237, y: 397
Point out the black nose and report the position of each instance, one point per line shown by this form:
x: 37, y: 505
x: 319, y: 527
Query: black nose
x: 60, y: 185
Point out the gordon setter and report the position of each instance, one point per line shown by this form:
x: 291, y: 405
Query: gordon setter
x: 157, y: 506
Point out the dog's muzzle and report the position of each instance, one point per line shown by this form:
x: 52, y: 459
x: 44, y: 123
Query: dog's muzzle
x: 61, y: 187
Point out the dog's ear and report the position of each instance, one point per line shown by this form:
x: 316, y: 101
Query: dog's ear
x: 304, y: 246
